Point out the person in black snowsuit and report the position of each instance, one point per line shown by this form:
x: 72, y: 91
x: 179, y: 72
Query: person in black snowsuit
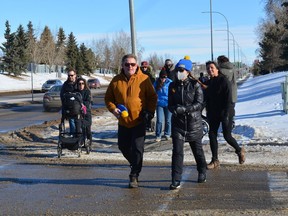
x: 185, y: 102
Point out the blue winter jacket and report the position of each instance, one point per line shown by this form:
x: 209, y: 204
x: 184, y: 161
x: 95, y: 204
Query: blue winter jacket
x: 163, y: 93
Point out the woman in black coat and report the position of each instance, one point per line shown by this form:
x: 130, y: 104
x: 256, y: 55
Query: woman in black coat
x: 185, y: 101
x: 86, y: 98
x: 220, y: 109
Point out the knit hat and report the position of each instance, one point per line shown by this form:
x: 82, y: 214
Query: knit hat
x: 163, y: 73
x: 187, y: 57
x: 186, y: 64
x: 144, y: 64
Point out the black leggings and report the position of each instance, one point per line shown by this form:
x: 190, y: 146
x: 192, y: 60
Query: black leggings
x: 214, y: 124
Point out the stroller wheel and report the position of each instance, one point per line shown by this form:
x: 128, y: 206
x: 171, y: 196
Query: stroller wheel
x: 88, y: 145
x: 79, y: 152
x: 59, y: 149
x: 205, y: 127
x: 79, y: 148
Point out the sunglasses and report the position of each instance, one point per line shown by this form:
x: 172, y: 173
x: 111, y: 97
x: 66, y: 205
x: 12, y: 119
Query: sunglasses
x: 130, y: 64
x: 181, y: 69
x: 163, y: 77
x: 71, y: 75
x: 81, y: 83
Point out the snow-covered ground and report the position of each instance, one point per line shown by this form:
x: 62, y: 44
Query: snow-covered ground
x: 25, y: 81
x: 261, y: 123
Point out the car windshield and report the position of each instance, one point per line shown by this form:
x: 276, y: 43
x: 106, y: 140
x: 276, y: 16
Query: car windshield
x: 56, y: 88
x: 91, y: 81
x: 51, y: 81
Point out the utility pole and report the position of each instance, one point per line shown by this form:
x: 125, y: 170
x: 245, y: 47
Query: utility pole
x: 132, y: 26
x: 211, y: 30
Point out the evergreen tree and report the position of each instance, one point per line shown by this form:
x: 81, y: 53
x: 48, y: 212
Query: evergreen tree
x: 71, y: 52
x: 270, y: 49
x: 21, y: 55
x: 31, y: 40
x: 284, y: 40
x: 87, y: 68
x: 47, y: 47
x: 60, y: 48
x: 8, y: 49
x: 92, y: 64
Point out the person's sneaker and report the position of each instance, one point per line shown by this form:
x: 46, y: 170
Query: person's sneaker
x: 158, y: 139
x: 201, y: 177
x: 167, y: 138
x: 175, y: 185
x: 214, y: 164
x: 133, y: 182
x: 241, y: 156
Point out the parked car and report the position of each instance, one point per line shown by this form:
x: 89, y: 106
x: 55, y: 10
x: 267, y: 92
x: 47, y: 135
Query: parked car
x: 51, y: 99
x: 94, y: 83
x: 50, y: 83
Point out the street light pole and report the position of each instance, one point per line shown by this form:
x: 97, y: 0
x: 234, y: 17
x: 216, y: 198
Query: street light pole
x: 211, y: 30
x: 228, y: 41
x: 132, y: 28
x: 227, y: 23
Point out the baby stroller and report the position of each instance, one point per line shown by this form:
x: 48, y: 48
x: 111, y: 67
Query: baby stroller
x: 72, y: 111
x: 205, y: 124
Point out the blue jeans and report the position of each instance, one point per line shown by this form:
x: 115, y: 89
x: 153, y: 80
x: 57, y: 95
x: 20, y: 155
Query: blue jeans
x: 72, y: 126
x: 163, y: 116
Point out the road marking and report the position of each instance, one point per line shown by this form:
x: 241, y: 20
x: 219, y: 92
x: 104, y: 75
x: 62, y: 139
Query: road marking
x: 172, y: 193
x: 278, y: 186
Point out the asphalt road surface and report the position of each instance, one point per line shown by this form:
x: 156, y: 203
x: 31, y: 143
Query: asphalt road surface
x: 19, y: 111
x: 101, y: 189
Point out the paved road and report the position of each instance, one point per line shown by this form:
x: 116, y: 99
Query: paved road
x: 90, y: 189
x: 21, y: 112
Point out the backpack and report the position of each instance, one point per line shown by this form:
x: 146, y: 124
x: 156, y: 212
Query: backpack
x: 72, y: 103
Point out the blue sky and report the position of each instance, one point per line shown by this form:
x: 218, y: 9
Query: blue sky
x: 170, y: 28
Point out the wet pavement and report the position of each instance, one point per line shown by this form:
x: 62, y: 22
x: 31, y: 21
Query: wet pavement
x: 101, y: 189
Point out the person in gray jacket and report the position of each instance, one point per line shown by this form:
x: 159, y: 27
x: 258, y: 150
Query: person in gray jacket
x: 227, y: 68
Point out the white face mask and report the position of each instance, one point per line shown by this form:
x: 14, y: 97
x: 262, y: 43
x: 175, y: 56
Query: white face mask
x: 181, y: 75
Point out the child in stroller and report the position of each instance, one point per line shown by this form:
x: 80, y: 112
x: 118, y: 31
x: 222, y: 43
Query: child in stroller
x: 72, y: 109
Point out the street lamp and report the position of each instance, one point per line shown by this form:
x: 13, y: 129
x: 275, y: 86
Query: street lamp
x: 227, y: 27
x: 228, y: 41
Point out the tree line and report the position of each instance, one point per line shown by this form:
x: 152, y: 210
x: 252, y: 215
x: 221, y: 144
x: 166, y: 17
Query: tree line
x: 273, y: 38
x: 23, y: 47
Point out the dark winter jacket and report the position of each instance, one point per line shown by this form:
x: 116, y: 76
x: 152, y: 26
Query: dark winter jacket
x: 227, y: 68
x: 187, y: 94
x: 68, y: 87
x: 86, y: 97
x: 219, y: 98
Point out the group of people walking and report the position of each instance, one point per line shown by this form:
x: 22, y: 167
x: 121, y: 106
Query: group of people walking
x: 178, y: 101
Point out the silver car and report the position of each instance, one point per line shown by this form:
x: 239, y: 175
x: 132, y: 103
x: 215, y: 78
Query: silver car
x: 50, y: 83
x: 51, y: 99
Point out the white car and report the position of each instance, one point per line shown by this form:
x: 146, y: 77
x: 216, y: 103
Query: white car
x: 50, y: 83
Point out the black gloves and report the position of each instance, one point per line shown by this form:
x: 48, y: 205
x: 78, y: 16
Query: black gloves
x: 148, y: 116
x: 180, y: 110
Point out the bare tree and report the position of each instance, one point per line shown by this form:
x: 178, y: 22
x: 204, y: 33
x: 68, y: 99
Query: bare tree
x: 98, y: 48
x: 121, y: 45
x: 48, y: 48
